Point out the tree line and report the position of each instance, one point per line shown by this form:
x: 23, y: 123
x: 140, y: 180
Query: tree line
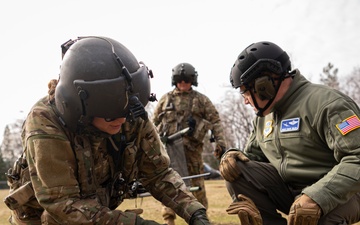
x: 235, y: 115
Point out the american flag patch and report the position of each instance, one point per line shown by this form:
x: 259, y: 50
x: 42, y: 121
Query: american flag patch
x: 348, y: 125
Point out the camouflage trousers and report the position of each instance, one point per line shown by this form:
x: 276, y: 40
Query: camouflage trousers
x: 195, y: 166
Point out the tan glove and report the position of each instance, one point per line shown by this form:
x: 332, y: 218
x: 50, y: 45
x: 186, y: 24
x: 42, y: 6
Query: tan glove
x: 246, y: 211
x: 304, y: 211
x: 228, y: 167
x: 219, y: 151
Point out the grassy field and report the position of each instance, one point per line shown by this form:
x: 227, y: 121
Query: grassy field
x: 217, y: 194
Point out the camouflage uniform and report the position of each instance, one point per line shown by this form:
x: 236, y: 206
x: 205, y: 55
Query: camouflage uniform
x: 82, y: 178
x: 171, y: 115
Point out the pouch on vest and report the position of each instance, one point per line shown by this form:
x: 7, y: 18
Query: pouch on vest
x: 21, y: 199
x: 20, y: 196
x: 21, y: 190
x: 202, y: 127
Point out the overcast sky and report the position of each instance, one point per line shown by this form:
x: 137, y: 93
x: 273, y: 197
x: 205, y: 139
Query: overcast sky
x: 162, y: 33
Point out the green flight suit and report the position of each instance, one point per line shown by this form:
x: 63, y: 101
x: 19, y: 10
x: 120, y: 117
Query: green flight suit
x: 311, y: 137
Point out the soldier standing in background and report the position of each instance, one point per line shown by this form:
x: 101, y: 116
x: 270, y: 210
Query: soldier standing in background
x: 89, y: 141
x: 183, y: 108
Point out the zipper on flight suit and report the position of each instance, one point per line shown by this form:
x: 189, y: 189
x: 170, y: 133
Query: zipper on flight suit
x: 282, y: 171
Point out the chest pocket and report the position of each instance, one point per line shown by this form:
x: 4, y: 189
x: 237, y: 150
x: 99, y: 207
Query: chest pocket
x: 170, y: 122
x: 201, y: 128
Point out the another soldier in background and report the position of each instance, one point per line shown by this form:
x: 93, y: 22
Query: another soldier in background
x: 89, y: 143
x: 183, y: 108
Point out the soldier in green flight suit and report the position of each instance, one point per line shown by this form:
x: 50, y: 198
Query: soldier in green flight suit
x: 303, y: 156
x: 89, y: 143
x: 184, y: 107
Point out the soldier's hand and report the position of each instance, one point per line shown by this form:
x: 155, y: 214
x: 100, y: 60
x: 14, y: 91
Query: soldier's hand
x: 228, y: 167
x: 164, y: 139
x: 304, y: 211
x: 219, y: 151
x: 199, y: 218
x: 246, y: 210
x: 191, y: 123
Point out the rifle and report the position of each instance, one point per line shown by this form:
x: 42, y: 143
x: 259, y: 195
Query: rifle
x: 175, y: 136
x: 196, y: 176
x: 141, y: 193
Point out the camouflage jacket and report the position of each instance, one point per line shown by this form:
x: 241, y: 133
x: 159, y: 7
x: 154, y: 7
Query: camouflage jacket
x: 174, y: 109
x: 73, y: 175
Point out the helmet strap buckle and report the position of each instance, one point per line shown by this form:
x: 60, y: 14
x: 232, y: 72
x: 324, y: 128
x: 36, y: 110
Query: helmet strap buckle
x: 136, y: 109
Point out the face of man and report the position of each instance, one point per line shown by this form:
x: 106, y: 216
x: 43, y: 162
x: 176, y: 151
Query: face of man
x: 249, y: 98
x: 183, y: 85
x: 252, y: 98
x: 110, y: 126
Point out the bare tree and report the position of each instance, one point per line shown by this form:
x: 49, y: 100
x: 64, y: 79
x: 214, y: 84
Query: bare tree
x: 150, y: 108
x: 351, y: 85
x: 329, y: 76
x: 11, y: 146
x: 236, y: 118
x: 4, y: 166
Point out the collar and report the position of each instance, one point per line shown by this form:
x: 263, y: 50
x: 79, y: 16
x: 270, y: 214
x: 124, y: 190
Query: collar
x: 178, y: 92
x: 93, y: 131
x: 289, y: 97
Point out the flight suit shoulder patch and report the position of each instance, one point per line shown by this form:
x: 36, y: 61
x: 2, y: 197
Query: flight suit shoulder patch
x: 349, y: 124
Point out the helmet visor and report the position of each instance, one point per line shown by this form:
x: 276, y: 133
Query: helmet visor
x: 185, y: 78
x: 108, y: 98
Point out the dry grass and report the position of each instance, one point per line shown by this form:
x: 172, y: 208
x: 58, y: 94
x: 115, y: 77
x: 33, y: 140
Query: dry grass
x: 218, y: 198
x: 217, y: 194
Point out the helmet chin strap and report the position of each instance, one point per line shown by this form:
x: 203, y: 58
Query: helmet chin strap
x: 260, y: 111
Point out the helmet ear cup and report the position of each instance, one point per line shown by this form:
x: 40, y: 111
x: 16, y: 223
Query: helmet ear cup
x: 265, y: 88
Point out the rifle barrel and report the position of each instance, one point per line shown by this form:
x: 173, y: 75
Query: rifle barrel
x: 196, y: 176
x: 178, y: 134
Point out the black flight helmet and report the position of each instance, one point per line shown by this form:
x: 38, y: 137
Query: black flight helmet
x: 185, y: 72
x: 99, y: 77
